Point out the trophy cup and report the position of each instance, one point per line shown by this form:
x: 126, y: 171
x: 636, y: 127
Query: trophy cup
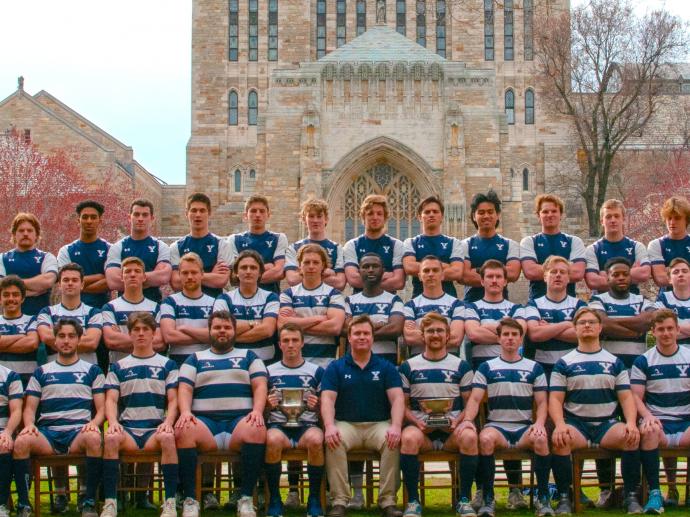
x: 292, y: 405
x: 437, y: 409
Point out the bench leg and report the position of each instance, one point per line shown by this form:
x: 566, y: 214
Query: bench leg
x: 37, y: 488
x: 577, y: 478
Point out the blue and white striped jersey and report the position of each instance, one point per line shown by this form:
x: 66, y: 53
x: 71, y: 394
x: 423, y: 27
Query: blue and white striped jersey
x: 591, y: 382
x: 222, y: 382
x: 664, y: 249
x: 333, y: 249
x: 666, y: 381
x: 91, y: 256
x: 379, y: 309
x: 388, y: 248
x: 88, y: 317
x: 549, y: 352
x: 510, y: 388
x: 116, y: 312
x: 478, y: 250
x: 490, y: 312
x: 143, y: 383
x: 448, y: 249
x: 10, y: 389
x: 190, y: 312
x: 627, y: 350
x: 66, y: 393
x: 320, y: 350
x: 271, y: 246
x: 424, y: 378
x: 150, y: 250
x: 264, y: 304
x: 447, y: 306
x: 28, y: 264
x: 210, y: 248
x: 598, y: 253
x: 23, y: 364
x: 307, y: 375
x: 668, y: 300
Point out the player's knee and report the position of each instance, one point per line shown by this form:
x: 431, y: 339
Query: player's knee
x: 92, y: 441
x: 167, y: 441
x: 112, y: 442
x: 314, y: 441
x: 274, y: 440
x: 22, y: 445
x: 486, y: 443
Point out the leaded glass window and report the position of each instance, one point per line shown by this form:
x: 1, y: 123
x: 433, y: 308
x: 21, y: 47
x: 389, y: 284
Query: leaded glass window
x: 508, y: 50
x: 273, y: 30
x: 489, y: 30
x: 253, y: 30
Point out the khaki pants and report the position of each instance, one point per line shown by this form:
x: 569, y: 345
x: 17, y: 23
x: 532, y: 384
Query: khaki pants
x: 368, y: 436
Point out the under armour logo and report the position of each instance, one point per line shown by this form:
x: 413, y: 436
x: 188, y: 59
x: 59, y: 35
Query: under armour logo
x: 683, y: 369
x: 79, y: 376
x: 500, y: 246
x: 151, y: 249
x: 447, y: 376
x: 306, y: 381
x: 348, y: 376
x: 362, y: 250
x: 606, y: 367
x: 236, y: 361
x: 540, y: 244
x: 381, y: 308
x: 209, y: 247
x: 523, y: 376
x: 687, y: 248
x: 77, y: 253
x: 375, y: 375
x: 126, y: 250
x: 155, y: 370
x: 269, y: 244
x: 320, y: 300
x: 444, y: 245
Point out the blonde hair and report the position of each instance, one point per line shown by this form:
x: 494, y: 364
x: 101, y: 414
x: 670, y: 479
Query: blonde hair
x: 676, y: 205
x: 193, y: 257
x: 372, y: 200
x: 26, y: 217
x: 314, y: 248
x: 314, y: 205
x: 548, y: 198
x: 612, y: 204
x: 552, y: 260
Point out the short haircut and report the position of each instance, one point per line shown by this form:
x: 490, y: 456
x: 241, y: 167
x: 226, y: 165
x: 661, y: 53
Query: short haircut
x: 143, y: 202
x: 256, y: 198
x: 616, y: 260
x: 68, y: 321
x: 612, y: 204
x: 292, y: 327
x: 427, y: 201
x: 133, y: 260
x: 251, y: 254
x: 314, y: 205
x: 190, y: 256
x: 359, y: 320
x: 90, y: 203
x: 478, y: 199
x: 430, y: 257
x: 676, y: 205
x: 314, y: 248
x: 198, y: 197
x: 552, y: 260
x: 71, y: 266
x: 222, y: 315
x: 509, y: 322
x: 433, y: 317
x: 371, y: 254
x: 13, y: 280
x: 548, y: 198
x: 661, y: 315
x: 493, y: 264
x: 146, y: 318
x: 678, y: 260
x: 373, y: 200
x: 586, y: 310
x: 26, y: 217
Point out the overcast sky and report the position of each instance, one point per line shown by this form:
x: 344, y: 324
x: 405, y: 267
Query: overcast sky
x: 125, y: 65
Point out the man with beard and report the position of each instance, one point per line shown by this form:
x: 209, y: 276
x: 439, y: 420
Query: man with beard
x: 221, y: 396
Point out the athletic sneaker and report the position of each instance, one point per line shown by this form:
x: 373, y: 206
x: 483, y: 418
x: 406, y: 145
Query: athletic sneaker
x: 477, y: 500
x: 564, y: 507
x: 605, y: 499
x: 109, y: 508
x: 515, y: 500
x: 169, y: 508
x: 275, y: 508
x: 245, y: 507
x: 89, y: 509
x: 292, y: 501
x: 585, y: 501
x: 190, y: 507
x: 632, y: 505
x: 414, y: 509
x: 314, y: 507
x: 232, y: 502
x: 672, y: 497
x: 655, y: 503
x: 60, y: 504
x: 488, y: 509
x: 464, y: 508
x: 542, y: 507
x: 210, y: 502
x: 357, y: 501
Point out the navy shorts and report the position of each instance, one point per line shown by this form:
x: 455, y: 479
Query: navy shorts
x: 592, y: 432
x: 438, y: 438
x: 141, y: 438
x: 221, y: 429
x: 60, y: 441
x: 513, y: 437
x: 674, y: 431
x: 294, y: 434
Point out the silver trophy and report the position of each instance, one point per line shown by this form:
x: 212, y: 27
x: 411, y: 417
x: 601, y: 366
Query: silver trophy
x: 292, y: 405
x: 438, y: 410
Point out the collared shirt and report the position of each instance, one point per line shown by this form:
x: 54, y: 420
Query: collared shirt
x: 210, y: 248
x: 91, y: 256
x: 270, y: 245
x: 150, y: 250
x: 448, y: 249
x: 479, y: 249
x: 362, y: 392
x: 28, y: 264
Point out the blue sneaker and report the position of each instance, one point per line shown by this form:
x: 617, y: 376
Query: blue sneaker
x: 655, y: 503
x: 314, y: 507
x: 275, y: 508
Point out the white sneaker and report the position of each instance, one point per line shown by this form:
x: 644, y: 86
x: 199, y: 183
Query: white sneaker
x: 109, y: 508
x: 477, y: 500
x: 292, y: 500
x: 210, y: 502
x: 169, y: 508
x: 190, y: 508
x: 357, y: 501
x: 516, y: 500
x: 4, y: 512
x: 245, y: 507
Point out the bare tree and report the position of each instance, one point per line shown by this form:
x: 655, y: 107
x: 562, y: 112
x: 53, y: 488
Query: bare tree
x: 602, y: 66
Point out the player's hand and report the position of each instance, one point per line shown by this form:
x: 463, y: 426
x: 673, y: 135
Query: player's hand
x: 255, y: 418
x: 165, y: 428
x: 650, y: 424
x: 332, y: 436
x: 221, y: 268
x: 421, y: 424
x: 273, y: 399
x: 632, y: 435
x: 393, y: 435
x: 537, y: 430
x: 561, y: 436
x: 327, y: 273
x: 6, y: 441
x: 186, y: 420
x: 312, y: 401
x: 462, y: 425
x: 29, y: 430
x: 114, y: 428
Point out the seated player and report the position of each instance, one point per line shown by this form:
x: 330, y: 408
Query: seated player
x: 436, y: 374
x: 69, y: 392
x: 18, y: 337
x: 221, y: 397
x: 589, y: 388
x: 512, y: 384
x: 294, y: 372
x: 11, y: 393
x: 141, y: 407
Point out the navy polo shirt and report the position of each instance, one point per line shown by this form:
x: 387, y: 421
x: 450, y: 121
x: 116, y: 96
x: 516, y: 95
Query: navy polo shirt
x: 361, y: 391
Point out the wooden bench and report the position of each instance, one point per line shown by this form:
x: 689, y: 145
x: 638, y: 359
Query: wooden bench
x: 579, y: 456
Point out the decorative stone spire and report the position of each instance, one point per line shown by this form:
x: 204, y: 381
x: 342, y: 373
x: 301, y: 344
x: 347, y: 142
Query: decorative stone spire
x: 20, y: 83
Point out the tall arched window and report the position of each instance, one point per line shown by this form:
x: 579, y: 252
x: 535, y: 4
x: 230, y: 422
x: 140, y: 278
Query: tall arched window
x: 508, y: 50
x: 253, y: 111
x: 361, y: 17
x: 233, y: 30
x: 529, y: 106
x: 340, y: 18
x: 253, y: 21
x: 232, y: 108
x: 421, y: 22
x: 237, y: 179
x: 273, y: 30
x: 320, y: 28
x: 525, y: 179
x: 528, y: 25
x: 489, y: 30
x: 401, y: 17
x: 441, y: 27
x: 510, y: 106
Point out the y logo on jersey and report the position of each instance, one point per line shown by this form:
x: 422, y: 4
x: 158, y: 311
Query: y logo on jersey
x: 235, y: 362
x: 444, y: 245
x: 606, y: 367
x: 447, y: 376
x: 523, y: 375
x: 375, y: 375
x: 209, y: 247
x: 269, y: 244
x: 683, y: 369
x: 386, y: 249
x: 100, y: 253
x: 381, y: 308
x: 155, y: 370
x: 151, y: 249
x: 79, y: 376
x: 320, y: 300
x: 628, y: 251
x: 306, y: 381
x: 206, y: 311
x: 38, y: 259
x: 564, y: 244
x: 499, y: 247
x: 257, y: 312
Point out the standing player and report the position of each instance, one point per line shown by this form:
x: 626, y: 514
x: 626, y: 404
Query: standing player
x: 487, y: 244
x: 314, y: 215
x: 318, y: 309
x: 154, y: 253
x: 221, y: 396
x: 183, y: 316
x: 90, y: 252
x: 37, y: 268
x: 512, y: 385
x: 589, y: 388
x: 675, y: 244
x: 213, y: 251
x: 69, y: 392
x: 141, y: 408
x: 255, y: 309
x: 433, y: 242
x: 534, y: 250
x: 271, y: 246
x: 678, y: 298
x: 613, y: 244
x: 18, y: 336
x: 374, y: 214
x: 436, y: 374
